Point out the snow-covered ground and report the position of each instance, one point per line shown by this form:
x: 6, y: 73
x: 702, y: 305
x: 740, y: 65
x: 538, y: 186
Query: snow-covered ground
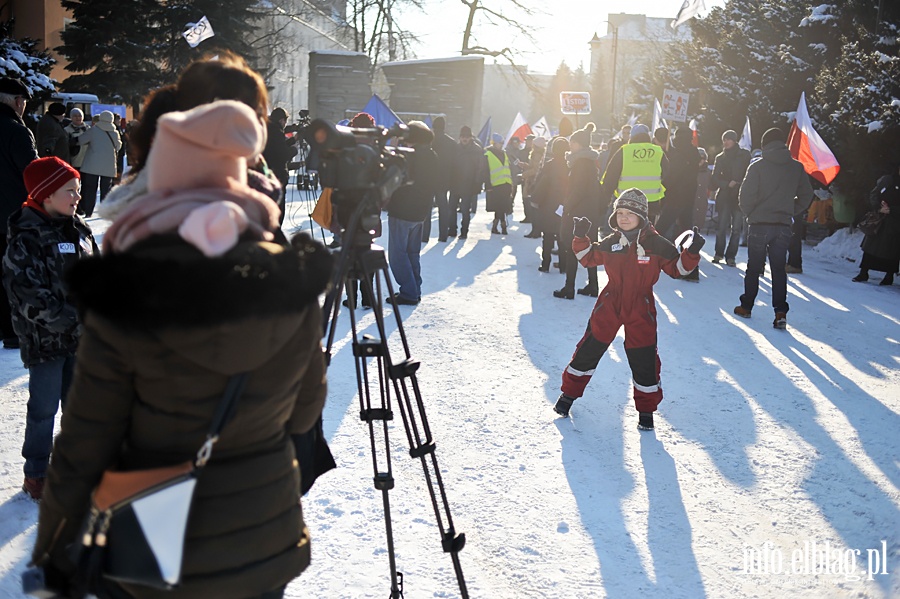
x: 774, y: 470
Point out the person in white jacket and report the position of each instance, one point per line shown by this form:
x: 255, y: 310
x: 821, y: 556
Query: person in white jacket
x: 100, y: 144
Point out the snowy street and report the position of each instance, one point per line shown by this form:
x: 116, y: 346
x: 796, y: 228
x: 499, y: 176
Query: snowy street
x: 774, y: 469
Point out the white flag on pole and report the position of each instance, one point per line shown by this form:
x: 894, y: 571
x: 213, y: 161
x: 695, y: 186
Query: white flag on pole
x: 657, y: 121
x: 689, y: 10
x: 542, y: 129
x: 745, y: 142
x: 197, y: 32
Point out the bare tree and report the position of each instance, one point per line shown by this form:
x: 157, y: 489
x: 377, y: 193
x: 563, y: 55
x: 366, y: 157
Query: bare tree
x: 499, y: 17
x: 376, y: 31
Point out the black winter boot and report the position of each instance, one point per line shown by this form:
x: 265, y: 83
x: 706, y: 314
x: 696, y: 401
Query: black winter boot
x: 564, y: 404
x: 589, y: 289
x: 645, y: 421
x: 565, y: 293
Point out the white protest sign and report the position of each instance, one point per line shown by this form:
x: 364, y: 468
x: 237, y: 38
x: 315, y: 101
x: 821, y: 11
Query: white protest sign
x: 675, y: 105
x: 575, y: 102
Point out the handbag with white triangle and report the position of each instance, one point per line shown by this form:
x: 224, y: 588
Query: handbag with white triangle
x: 135, y: 530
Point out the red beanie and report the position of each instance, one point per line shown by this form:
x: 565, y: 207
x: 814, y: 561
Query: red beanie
x: 45, y: 175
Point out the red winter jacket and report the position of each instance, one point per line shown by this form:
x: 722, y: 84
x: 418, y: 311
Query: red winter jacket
x: 628, y: 296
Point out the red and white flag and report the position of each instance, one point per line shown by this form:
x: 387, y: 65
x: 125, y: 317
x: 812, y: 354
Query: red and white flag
x: 695, y: 138
x: 520, y: 128
x: 807, y: 147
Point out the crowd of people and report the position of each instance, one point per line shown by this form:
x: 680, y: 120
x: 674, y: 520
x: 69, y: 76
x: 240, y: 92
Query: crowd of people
x: 197, y: 284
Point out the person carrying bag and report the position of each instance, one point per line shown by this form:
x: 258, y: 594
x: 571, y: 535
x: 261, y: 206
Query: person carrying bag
x: 192, y: 289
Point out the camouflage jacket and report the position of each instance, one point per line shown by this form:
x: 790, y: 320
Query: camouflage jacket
x: 39, y: 251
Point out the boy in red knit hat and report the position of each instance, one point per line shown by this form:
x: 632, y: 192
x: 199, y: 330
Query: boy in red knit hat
x: 45, y: 238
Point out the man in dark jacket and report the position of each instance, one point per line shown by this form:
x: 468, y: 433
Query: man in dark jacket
x: 407, y: 210
x: 465, y: 182
x: 775, y: 190
x: 445, y: 148
x: 681, y: 190
x: 52, y: 139
x: 728, y: 172
x: 17, y: 150
x: 278, y: 152
x: 582, y: 200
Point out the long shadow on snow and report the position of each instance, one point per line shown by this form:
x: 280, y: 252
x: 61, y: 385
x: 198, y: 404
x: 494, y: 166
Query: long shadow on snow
x: 833, y: 475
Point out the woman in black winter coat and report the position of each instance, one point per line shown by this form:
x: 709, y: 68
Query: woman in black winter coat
x: 549, y: 191
x: 881, y: 251
x: 582, y: 199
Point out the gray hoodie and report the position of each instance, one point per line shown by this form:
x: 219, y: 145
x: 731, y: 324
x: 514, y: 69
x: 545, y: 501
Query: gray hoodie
x: 776, y: 188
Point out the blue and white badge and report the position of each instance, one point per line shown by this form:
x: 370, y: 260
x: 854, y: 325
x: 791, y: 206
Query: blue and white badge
x: 616, y: 247
x: 66, y: 248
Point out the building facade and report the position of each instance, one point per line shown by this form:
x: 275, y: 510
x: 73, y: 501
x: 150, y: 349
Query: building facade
x: 632, y: 44
x: 42, y: 20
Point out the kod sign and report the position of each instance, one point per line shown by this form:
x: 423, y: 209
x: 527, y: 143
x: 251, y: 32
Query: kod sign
x: 575, y: 102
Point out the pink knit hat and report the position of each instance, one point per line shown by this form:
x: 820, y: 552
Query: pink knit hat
x: 204, y: 147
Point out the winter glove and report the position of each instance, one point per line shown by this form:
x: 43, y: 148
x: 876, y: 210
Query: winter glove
x: 581, y: 227
x: 697, y: 242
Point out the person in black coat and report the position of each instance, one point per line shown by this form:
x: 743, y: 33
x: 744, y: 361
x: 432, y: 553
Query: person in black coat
x: 881, y: 251
x: 681, y: 190
x: 465, y: 181
x: 17, y: 150
x: 278, y: 152
x: 550, y: 186
x: 445, y: 148
x: 52, y: 139
x: 582, y: 199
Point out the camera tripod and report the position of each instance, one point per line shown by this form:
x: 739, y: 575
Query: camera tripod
x: 362, y: 264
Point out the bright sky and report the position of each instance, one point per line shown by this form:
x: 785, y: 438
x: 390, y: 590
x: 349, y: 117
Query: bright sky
x: 565, y: 27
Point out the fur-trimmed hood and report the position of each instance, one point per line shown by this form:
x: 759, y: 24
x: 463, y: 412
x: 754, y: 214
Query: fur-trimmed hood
x: 167, y: 282
x: 246, y: 299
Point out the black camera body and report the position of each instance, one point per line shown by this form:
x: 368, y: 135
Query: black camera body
x: 301, y: 125
x: 358, y: 164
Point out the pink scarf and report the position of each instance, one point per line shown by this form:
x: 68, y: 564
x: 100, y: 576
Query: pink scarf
x: 197, y: 214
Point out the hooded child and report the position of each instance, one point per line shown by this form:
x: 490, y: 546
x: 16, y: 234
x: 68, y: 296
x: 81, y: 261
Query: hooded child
x: 634, y: 255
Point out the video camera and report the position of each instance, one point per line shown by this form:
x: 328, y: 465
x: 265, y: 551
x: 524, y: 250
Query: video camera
x: 300, y: 126
x: 358, y: 164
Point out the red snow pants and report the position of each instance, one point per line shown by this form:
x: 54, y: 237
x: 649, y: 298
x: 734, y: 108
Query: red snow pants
x: 640, y: 348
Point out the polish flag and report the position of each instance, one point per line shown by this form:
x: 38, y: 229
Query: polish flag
x: 520, y: 128
x: 695, y: 138
x: 807, y: 147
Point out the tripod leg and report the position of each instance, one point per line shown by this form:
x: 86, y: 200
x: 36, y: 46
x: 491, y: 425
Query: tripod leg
x: 403, y: 379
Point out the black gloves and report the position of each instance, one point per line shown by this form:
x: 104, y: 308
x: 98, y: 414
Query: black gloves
x: 582, y: 226
x: 697, y: 242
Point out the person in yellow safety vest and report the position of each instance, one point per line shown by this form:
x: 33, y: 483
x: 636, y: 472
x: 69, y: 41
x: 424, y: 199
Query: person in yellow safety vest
x: 498, y: 183
x: 638, y: 164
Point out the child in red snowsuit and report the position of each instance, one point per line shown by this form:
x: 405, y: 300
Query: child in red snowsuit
x: 633, y: 255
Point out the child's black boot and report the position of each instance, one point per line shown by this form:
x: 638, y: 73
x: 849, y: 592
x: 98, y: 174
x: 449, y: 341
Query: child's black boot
x: 645, y: 421
x: 563, y: 405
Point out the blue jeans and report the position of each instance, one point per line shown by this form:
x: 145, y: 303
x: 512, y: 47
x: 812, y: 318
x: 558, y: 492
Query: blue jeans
x: 771, y: 241
x: 404, y: 246
x: 48, y: 383
x: 731, y: 220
